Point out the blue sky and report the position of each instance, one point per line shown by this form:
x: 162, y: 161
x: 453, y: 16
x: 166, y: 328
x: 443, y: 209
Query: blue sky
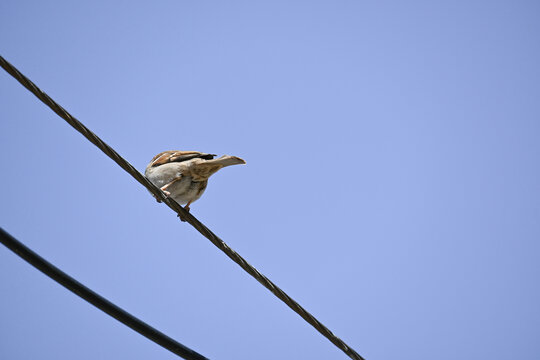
x: 391, y: 186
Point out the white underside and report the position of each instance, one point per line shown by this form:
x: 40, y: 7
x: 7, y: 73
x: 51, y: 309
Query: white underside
x: 182, y: 191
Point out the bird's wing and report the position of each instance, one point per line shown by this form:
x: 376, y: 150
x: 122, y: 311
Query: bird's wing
x: 178, y: 156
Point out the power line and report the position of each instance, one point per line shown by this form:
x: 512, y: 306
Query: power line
x: 233, y: 255
x: 95, y: 299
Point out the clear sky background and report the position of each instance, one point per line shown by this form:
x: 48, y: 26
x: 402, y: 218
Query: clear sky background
x: 392, y: 184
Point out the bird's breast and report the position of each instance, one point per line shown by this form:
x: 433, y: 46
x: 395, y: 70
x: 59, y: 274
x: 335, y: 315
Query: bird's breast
x: 183, y: 188
x: 187, y: 190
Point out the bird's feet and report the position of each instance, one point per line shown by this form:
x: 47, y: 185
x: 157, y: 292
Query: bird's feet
x: 182, y: 218
x: 167, y: 194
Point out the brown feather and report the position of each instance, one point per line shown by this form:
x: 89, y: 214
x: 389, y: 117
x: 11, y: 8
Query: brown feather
x: 166, y: 157
x: 204, y: 169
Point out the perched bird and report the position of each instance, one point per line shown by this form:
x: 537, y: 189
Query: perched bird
x: 183, y: 175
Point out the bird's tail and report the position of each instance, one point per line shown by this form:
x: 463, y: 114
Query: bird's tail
x: 226, y: 160
x: 203, y: 170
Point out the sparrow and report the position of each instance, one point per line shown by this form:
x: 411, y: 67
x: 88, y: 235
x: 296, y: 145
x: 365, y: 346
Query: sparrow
x: 183, y: 175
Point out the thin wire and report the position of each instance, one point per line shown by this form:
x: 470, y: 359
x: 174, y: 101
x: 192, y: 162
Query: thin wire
x: 233, y: 255
x: 95, y: 299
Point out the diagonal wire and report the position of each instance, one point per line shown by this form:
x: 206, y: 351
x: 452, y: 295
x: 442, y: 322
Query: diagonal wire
x: 95, y: 299
x: 110, y: 152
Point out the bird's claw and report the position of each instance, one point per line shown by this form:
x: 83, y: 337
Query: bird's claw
x: 182, y: 218
x: 167, y: 194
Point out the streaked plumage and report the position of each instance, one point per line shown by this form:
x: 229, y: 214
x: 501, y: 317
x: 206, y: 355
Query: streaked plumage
x: 183, y: 175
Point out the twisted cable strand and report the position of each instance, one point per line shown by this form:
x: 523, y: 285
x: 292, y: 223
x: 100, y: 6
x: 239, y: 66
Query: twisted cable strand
x: 233, y: 255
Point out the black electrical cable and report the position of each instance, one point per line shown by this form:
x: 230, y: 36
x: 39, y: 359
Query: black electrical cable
x: 95, y: 299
